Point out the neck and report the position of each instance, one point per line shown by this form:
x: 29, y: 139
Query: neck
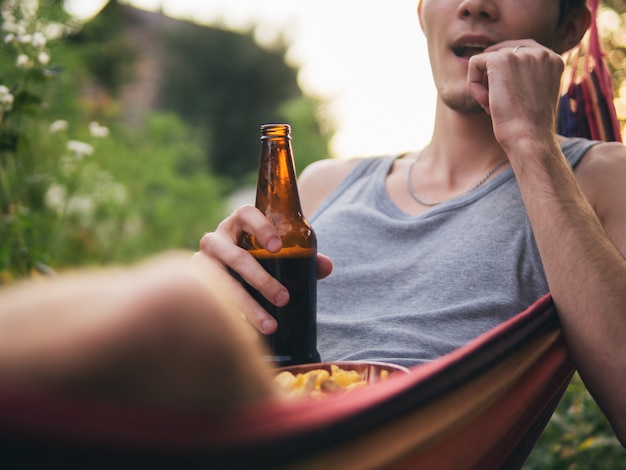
x: 463, y: 141
x: 462, y: 152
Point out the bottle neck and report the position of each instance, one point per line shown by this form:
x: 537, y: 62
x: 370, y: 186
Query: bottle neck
x: 277, y: 190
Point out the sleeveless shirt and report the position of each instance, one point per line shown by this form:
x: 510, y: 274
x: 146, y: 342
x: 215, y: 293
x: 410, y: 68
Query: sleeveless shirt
x: 407, y: 289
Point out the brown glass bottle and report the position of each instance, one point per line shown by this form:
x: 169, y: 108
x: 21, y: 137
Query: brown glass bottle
x: 295, y: 341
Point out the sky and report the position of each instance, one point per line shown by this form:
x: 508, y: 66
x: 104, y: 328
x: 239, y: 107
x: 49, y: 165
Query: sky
x: 366, y: 59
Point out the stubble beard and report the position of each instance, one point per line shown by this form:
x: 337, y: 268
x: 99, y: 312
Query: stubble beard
x: 462, y: 102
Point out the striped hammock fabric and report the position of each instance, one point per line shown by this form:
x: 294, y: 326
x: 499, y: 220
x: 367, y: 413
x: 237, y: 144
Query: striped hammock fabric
x: 481, y: 406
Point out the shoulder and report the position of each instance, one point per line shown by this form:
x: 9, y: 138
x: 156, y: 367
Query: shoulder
x: 604, y: 164
x: 601, y: 175
x: 318, y: 180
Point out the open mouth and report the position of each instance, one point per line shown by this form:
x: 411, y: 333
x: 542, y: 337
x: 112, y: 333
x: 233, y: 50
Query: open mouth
x: 468, y: 50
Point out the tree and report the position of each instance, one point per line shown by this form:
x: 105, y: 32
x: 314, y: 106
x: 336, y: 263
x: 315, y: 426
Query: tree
x: 222, y: 83
x: 227, y: 85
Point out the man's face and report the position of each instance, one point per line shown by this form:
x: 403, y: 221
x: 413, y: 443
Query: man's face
x: 457, y: 29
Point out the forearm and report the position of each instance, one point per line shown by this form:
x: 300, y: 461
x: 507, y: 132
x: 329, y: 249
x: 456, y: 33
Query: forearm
x: 586, y: 272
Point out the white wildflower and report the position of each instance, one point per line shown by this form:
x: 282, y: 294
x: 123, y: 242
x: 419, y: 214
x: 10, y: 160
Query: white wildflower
x: 80, y: 149
x: 58, y: 125
x: 7, y: 16
x: 39, y: 40
x: 107, y: 191
x: 55, y: 197
x: 81, y: 206
x: 7, y: 102
x: 25, y: 38
x: 6, y: 98
x: 23, y: 61
x: 55, y: 31
x: 28, y: 7
x: 11, y: 26
x: 9, y: 38
x: 43, y: 58
x: 97, y: 130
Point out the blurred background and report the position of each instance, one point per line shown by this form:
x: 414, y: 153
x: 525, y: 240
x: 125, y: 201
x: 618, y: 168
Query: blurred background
x: 129, y: 128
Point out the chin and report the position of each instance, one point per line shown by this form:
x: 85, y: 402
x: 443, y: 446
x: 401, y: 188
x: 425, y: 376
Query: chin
x: 463, y: 104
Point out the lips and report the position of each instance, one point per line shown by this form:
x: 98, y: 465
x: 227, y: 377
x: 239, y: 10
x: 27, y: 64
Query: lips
x: 468, y: 50
x: 469, y: 46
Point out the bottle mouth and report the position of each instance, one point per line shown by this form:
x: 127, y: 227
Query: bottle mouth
x: 275, y: 130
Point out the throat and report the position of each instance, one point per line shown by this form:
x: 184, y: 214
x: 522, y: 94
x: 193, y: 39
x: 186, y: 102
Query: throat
x: 425, y: 202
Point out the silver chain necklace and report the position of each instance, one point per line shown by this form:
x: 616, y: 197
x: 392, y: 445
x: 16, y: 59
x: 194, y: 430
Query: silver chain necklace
x: 409, y: 184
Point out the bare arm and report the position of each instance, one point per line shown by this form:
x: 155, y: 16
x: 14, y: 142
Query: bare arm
x: 583, y: 256
x: 580, y: 227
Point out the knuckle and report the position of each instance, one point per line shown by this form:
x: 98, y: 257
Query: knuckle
x: 225, y: 223
x: 246, y: 208
x: 207, y: 241
x: 237, y: 257
x: 243, y: 212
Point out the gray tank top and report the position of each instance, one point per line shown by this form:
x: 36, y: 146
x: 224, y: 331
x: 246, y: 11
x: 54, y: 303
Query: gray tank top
x: 406, y: 289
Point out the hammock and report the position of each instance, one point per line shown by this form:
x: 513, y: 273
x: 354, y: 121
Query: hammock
x: 586, y: 108
x: 481, y: 406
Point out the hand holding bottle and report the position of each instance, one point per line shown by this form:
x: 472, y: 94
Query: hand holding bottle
x: 222, y: 248
x: 294, y: 264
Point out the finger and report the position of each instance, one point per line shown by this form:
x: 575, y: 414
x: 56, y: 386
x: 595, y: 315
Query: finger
x: 238, y: 295
x: 254, y: 313
x: 478, y: 68
x: 251, y: 220
x: 477, y: 77
x: 514, y: 45
x: 244, y: 265
x: 222, y: 247
x: 324, y: 266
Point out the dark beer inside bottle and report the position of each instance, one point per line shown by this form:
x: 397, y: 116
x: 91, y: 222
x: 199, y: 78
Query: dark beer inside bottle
x: 295, y: 340
x: 294, y: 266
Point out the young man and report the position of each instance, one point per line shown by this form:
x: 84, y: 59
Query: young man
x: 432, y: 248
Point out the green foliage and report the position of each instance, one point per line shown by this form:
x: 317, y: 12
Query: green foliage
x: 103, y: 51
x: 173, y: 200
x: 72, y: 191
x: 232, y: 86
x: 577, y: 437
x: 26, y: 163
x: 139, y: 193
x: 614, y: 45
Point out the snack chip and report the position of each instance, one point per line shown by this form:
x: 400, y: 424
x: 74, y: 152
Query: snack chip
x: 318, y: 383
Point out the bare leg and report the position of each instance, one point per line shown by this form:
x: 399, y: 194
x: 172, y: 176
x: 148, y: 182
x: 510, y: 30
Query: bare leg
x: 160, y: 333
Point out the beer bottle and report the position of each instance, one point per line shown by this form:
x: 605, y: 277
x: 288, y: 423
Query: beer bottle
x: 294, y: 266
